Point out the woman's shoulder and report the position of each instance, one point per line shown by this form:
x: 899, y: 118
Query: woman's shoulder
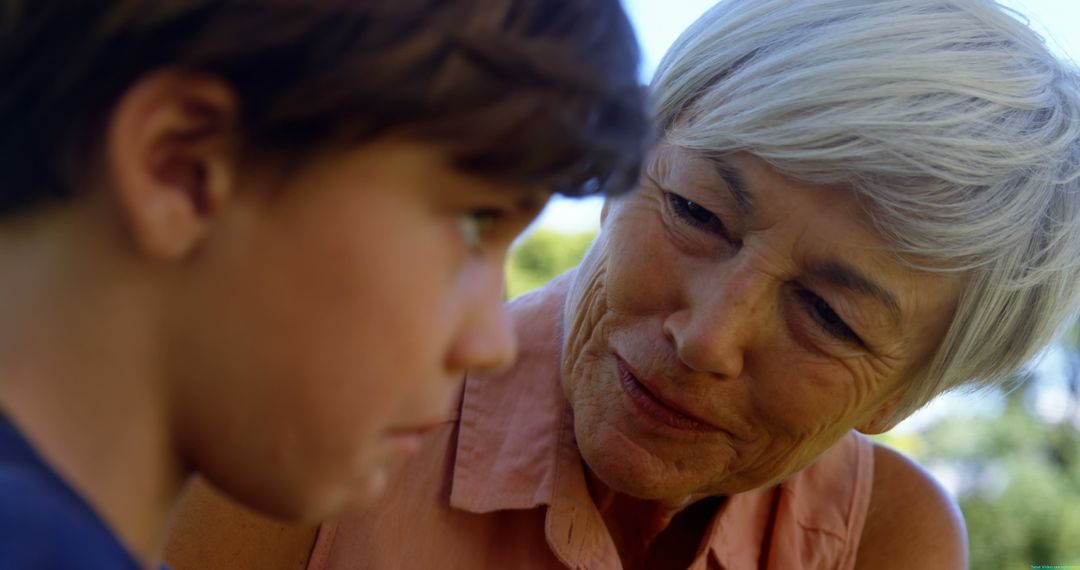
x: 911, y: 522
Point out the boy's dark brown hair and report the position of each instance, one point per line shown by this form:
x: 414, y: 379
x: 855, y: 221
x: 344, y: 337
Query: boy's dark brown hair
x: 533, y: 91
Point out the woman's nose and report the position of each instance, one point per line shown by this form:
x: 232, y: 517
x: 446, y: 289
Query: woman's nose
x: 723, y: 314
x: 485, y: 339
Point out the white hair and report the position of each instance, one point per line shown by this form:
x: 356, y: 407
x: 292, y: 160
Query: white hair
x: 950, y: 119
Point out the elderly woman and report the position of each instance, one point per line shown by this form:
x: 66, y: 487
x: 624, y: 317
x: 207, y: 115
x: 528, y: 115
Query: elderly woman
x: 856, y: 205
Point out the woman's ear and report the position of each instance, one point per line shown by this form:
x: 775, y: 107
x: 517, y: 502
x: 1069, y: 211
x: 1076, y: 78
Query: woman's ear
x: 883, y: 417
x: 170, y: 157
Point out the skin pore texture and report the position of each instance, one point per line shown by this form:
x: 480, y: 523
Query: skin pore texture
x: 290, y: 337
x: 731, y: 325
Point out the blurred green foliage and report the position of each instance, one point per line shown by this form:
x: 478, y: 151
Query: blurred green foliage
x: 1019, y: 479
x: 541, y: 255
x: 1017, y: 475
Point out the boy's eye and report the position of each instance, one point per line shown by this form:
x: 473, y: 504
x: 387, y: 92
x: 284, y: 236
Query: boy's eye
x: 476, y: 224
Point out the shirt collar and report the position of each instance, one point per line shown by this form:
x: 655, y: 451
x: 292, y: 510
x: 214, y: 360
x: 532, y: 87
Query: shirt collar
x: 517, y: 451
x: 516, y: 447
x: 511, y: 423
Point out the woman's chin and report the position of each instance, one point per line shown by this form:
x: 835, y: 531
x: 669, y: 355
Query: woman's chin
x: 641, y: 475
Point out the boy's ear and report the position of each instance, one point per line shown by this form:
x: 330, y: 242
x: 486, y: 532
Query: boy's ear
x: 882, y: 419
x: 170, y: 156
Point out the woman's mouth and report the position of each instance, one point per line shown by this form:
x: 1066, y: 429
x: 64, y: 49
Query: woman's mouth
x: 654, y: 407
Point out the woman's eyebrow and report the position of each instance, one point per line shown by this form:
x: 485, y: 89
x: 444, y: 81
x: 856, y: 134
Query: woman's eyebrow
x: 846, y: 277
x: 734, y: 181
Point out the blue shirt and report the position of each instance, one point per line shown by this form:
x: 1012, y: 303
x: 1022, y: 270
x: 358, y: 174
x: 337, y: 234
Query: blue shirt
x: 44, y: 523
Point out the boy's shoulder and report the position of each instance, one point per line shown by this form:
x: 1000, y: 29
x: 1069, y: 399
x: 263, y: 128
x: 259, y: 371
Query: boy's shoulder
x: 43, y: 522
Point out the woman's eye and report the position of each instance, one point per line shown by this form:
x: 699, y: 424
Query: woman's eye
x: 828, y: 320
x: 695, y: 215
x: 475, y: 226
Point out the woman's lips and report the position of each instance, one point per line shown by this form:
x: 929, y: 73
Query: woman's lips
x: 654, y: 407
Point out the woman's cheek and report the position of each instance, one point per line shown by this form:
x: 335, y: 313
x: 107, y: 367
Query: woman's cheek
x: 642, y: 268
x: 586, y: 305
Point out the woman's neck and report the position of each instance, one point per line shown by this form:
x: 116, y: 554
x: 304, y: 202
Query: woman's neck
x: 652, y: 534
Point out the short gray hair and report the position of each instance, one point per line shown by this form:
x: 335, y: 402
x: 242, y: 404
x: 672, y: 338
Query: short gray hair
x: 949, y: 118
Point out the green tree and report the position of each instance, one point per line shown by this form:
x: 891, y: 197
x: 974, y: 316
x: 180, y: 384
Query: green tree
x: 542, y: 255
x: 1019, y: 477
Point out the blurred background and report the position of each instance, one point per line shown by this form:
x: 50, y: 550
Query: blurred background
x: 1011, y: 459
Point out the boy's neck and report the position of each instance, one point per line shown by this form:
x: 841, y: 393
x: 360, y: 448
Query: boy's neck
x: 78, y: 379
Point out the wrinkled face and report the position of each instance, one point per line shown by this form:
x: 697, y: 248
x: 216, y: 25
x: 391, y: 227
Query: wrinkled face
x: 731, y: 324
x: 331, y: 319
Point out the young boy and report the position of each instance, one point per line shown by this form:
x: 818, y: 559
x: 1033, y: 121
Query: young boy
x: 261, y: 240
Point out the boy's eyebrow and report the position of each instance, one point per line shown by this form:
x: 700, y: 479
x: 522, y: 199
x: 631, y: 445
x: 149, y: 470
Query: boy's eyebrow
x: 735, y: 183
x: 533, y: 200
